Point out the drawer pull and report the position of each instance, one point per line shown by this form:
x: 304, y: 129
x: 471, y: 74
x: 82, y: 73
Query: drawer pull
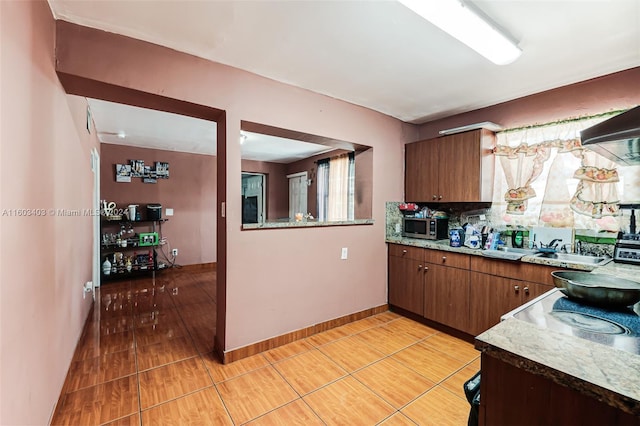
x: 516, y: 288
x: 426, y: 268
x: 404, y: 252
x: 526, y: 290
x: 444, y: 258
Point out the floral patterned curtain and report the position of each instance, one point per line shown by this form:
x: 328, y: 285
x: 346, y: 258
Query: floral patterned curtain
x: 596, y: 194
x: 546, y: 165
x: 523, y: 164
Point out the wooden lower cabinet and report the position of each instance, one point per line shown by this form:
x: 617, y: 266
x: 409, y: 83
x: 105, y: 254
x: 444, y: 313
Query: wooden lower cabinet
x: 406, y: 284
x: 465, y: 292
x: 446, y: 296
x: 493, y: 296
x: 513, y: 396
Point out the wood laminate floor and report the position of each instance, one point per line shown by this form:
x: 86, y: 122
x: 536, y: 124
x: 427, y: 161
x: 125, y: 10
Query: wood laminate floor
x: 145, y: 358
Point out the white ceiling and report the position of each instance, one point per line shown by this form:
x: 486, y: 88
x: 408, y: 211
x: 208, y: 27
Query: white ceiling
x: 128, y: 125
x: 379, y: 54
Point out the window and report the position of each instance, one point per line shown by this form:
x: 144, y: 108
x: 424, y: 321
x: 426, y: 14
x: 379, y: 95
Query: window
x: 336, y: 188
x: 544, y: 177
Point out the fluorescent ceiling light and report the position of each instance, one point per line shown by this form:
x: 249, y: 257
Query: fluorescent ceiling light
x: 459, y: 20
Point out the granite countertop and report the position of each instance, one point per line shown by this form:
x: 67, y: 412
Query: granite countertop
x: 444, y: 245
x: 606, y: 374
x: 305, y: 224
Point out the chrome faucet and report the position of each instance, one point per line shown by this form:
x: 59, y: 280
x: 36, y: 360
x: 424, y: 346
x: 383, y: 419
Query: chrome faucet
x: 554, y: 243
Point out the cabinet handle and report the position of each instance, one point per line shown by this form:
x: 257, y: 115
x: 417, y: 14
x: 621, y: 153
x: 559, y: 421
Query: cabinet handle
x: 516, y: 288
x: 526, y: 290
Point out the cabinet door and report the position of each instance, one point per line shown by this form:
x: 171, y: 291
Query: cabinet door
x: 466, y: 167
x: 421, y: 171
x: 406, y: 289
x: 446, y: 296
x: 532, y: 290
x: 491, y: 297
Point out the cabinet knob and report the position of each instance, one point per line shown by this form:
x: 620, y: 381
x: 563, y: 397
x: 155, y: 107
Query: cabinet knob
x: 435, y: 197
x: 419, y: 267
x: 516, y: 288
x: 444, y: 258
x: 426, y: 268
x: 526, y: 290
x: 440, y: 197
x: 404, y: 252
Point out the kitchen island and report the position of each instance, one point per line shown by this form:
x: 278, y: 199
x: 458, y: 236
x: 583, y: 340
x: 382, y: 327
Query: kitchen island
x: 575, y: 380
x: 532, y: 375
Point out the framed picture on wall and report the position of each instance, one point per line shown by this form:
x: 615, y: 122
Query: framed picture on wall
x: 137, y: 168
x: 162, y: 170
x: 123, y: 173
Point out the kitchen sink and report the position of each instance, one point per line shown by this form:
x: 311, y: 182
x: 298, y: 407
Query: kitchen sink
x: 508, y: 253
x: 522, y: 251
x: 576, y: 258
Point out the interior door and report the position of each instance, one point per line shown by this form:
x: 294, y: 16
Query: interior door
x: 253, y: 197
x: 297, y: 194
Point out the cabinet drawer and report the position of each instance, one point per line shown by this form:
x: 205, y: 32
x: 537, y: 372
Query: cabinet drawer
x: 407, y: 252
x: 446, y: 258
x: 516, y: 270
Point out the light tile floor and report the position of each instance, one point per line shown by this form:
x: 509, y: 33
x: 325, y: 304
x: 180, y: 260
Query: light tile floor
x: 145, y: 358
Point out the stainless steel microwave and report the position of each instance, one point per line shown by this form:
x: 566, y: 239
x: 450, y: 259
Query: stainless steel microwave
x: 425, y: 228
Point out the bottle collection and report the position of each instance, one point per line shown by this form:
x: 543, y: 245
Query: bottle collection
x: 119, y: 263
x: 126, y: 237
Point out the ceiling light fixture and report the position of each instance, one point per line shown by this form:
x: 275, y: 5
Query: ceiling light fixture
x: 469, y: 25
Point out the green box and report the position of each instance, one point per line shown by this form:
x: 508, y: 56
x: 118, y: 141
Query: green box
x: 148, y: 239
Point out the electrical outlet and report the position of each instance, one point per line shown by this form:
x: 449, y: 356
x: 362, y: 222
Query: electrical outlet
x: 344, y: 254
x: 174, y: 252
x: 398, y: 228
x: 87, y: 288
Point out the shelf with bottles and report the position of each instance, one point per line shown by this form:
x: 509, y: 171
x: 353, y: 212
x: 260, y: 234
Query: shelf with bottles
x: 119, y: 264
x: 126, y: 238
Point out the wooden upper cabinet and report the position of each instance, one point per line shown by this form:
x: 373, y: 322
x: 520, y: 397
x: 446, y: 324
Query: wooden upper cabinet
x: 453, y: 168
x: 421, y: 177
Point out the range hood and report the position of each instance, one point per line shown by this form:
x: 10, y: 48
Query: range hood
x: 617, y: 138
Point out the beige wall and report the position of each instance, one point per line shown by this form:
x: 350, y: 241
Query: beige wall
x: 608, y: 93
x: 45, y: 260
x: 190, y: 191
x: 277, y: 281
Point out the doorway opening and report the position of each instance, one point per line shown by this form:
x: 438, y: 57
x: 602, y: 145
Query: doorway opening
x: 76, y: 85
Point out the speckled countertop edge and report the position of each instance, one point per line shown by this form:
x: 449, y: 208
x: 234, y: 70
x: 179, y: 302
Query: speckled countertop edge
x: 606, y: 374
x: 305, y: 224
x: 444, y: 245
